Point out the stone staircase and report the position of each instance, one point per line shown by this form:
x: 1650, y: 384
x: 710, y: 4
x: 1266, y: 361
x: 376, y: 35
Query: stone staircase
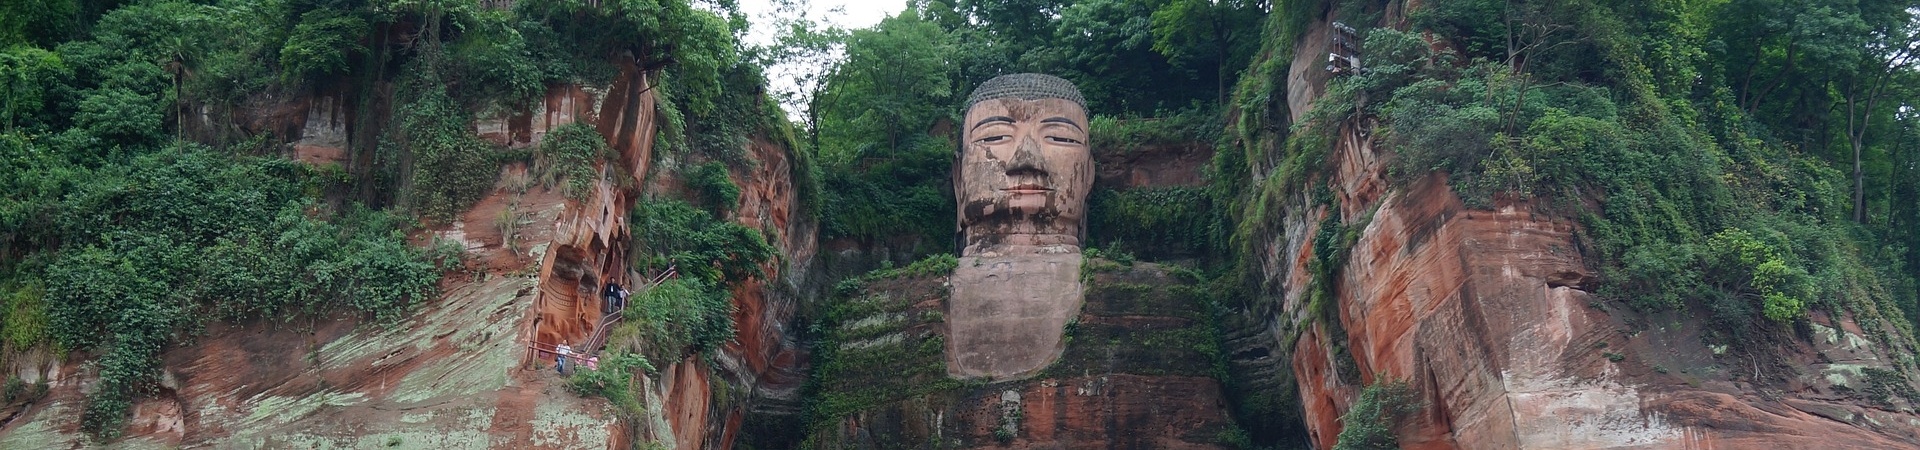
x: 607, y: 322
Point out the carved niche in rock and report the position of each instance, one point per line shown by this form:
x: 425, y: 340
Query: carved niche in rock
x: 1021, y: 181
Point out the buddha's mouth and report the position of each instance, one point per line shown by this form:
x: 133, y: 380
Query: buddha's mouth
x: 1027, y: 188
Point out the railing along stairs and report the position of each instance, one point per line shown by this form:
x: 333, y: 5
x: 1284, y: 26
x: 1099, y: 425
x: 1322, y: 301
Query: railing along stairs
x: 599, y: 337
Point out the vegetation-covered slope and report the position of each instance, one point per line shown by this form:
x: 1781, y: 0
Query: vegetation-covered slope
x: 148, y: 149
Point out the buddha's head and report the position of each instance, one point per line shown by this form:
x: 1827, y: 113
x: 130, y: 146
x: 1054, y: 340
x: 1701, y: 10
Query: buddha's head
x: 1024, y: 167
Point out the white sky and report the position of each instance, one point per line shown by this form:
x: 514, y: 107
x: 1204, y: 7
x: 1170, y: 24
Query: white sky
x: 846, y: 14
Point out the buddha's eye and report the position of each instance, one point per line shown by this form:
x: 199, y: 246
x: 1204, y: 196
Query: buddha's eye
x: 993, y: 139
x: 1065, y: 140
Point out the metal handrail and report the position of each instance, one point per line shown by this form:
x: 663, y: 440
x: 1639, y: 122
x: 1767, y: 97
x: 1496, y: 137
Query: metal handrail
x: 599, y: 337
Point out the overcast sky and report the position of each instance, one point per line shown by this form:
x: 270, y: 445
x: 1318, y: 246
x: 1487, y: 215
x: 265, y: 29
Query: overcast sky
x: 847, y: 14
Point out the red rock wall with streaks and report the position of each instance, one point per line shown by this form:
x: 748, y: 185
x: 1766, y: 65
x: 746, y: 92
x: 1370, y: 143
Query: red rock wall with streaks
x: 1485, y: 312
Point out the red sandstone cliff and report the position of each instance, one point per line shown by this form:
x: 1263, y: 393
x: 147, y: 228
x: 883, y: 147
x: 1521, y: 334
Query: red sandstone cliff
x: 458, y: 374
x: 1487, y: 314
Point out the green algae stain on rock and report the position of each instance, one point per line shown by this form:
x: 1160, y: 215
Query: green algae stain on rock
x: 272, y: 411
x: 41, y: 432
x: 426, y: 440
x: 487, y: 351
x: 557, y: 424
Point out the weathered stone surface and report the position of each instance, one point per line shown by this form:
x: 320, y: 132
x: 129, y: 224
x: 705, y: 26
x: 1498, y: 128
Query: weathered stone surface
x: 1160, y: 165
x: 448, y: 378
x: 458, y: 375
x: 1136, y: 373
x: 1485, y: 312
x: 1024, y: 172
x: 1007, y: 313
x: 1022, y: 180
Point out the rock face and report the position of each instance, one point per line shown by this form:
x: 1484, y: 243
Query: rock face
x: 764, y: 360
x: 459, y: 374
x: 1148, y: 166
x: 450, y: 377
x: 589, y: 247
x: 1134, y: 373
x: 1485, y: 312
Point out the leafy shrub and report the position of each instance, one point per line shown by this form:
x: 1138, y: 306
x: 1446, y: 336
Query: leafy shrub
x: 719, y: 252
x: 23, y: 321
x: 494, y: 62
x: 322, y: 43
x: 613, y: 380
x: 712, y: 183
x: 120, y: 116
x: 1183, y: 127
x: 33, y: 82
x: 936, y: 265
x: 568, y: 154
x: 681, y: 316
x: 451, y: 168
x: 883, y: 195
x: 1754, y: 269
x: 1369, y: 424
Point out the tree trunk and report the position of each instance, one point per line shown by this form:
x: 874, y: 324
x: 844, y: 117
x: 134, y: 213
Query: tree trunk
x: 1753, y: 102
x: 1859, y: 186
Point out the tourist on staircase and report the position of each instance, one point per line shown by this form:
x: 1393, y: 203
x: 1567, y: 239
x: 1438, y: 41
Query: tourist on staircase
x: 612, y: 296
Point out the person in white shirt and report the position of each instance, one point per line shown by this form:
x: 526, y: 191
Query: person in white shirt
x: 560, y: 362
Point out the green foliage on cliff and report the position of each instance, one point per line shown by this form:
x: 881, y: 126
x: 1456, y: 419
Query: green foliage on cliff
x: 681, y: 316
x: 568, y: 154
x: 444, y: 168
x: 711, y: 183
x: 1169, y: 221
x: 614, y: 380
x: 932, y: 266
x: 1703, y: 147
x: 124, y: 231
x: 1112, y: 134
x: 675, y: 232
x: 869, y: 354
x: 1662, y: 172
x: 23, y: 319
x: 323, y: 43
x: 1369, y: 424
x: 156, y: 247
x: 883, y: 174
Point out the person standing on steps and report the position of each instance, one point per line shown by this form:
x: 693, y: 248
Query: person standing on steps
x: 611, y: 298
x: 560, y: 362
x: 620, y: 302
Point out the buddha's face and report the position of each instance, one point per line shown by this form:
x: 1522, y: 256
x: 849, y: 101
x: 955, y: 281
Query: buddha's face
x: 1024, y: 173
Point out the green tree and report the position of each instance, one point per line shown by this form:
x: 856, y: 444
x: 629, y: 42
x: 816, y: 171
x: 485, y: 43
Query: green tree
x: 1369, y: 424
x: 323, y: 43
x: 891, y: 88
x: 1889, y: 57
x: 807, y: 51
x: 41, y: 23
x: 1216, y: 34
x: 1106, y: 48
x: 33, y: 82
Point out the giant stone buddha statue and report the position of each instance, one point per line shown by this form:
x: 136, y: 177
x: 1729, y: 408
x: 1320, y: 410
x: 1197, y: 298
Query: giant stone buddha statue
x: 1021, y: 180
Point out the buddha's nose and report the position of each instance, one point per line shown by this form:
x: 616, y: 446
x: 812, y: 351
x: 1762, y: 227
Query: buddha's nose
x: 1026, y: 159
